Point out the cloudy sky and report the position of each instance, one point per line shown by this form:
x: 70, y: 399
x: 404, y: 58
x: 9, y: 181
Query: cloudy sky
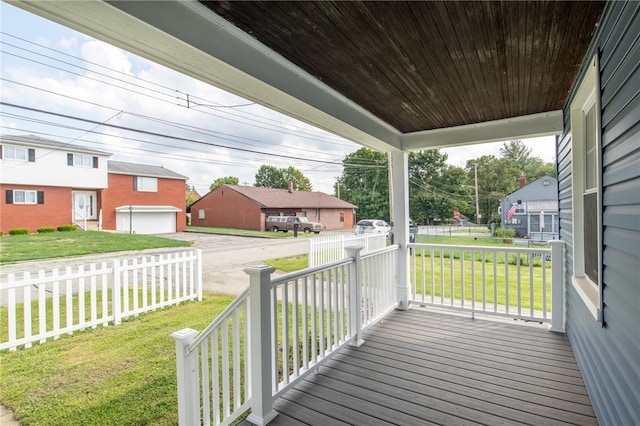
x: 62, y: 85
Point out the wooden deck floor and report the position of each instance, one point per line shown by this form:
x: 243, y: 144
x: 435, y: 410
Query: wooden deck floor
x: 423, y: 368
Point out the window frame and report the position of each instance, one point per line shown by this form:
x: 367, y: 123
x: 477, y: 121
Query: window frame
x: 25, y: 192
x: 142, y: 181
x: 587, y: 98
x: 82, y: 160
x: 15, y: 149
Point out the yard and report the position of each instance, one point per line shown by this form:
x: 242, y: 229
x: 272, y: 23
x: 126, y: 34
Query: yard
x: 16, y: 248
x: 111, y: 375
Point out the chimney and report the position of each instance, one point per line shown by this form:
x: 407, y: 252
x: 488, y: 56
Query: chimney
x: 290, y: 186
x: 522, y: 180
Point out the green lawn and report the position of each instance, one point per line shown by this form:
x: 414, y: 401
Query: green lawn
x: 15, y: 248
x: 122, y: 375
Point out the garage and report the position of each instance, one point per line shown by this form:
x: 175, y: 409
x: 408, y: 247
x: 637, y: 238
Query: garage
x: 146, y: 219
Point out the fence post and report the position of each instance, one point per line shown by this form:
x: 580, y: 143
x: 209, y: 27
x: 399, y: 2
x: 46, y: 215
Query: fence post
x: 199, y: 273
x: 557, y: 287
x: 187, y: 378
x: 262, y: 411
x: 355, y: 296
x: 115, y: 293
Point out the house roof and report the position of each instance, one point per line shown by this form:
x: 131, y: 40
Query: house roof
x: 282, y: 198
x: 388, y: 75
x: 552, y: 183
x: 122, y: 168
x: 37, y: 141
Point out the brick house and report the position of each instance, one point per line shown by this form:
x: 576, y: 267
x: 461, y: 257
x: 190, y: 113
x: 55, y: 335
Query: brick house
x: 45, y: 183
x: 144, y: 199
x: 246, y: 207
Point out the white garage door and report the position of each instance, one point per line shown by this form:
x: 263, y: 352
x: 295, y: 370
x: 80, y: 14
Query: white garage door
x: 145, y: 220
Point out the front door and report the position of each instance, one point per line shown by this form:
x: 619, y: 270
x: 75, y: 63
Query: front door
x: 84, y: 205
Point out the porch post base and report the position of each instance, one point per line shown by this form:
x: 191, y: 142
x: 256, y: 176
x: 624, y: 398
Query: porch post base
x: 261, y: 421
x: 356, y: 343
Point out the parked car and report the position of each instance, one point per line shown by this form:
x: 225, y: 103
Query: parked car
x: 413, y: 231
x: 287, y: 223
x: 373, y: 226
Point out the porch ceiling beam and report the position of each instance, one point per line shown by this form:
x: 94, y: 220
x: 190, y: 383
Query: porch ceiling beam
x: 190, y: 39
x: 543, y: 124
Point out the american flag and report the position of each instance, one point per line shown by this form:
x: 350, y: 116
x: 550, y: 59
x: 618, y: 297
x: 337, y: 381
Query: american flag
x: 512, y: 210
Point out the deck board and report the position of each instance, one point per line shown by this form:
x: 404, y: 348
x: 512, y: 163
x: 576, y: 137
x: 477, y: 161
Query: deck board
x: 421, y: 367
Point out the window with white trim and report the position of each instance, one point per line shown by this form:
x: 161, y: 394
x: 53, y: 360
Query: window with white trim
x: 146, y: 184
x: 83, y: 160
x: 17, y: 153
x: 587, y: 191
x: 25, y: 197
x: 201, y: 214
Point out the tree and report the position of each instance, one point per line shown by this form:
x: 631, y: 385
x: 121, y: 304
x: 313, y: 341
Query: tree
x: 532, y: 167
x: 496, y: 179
x: 273, y: 177
x: 517, y: 152
x: 190, y: 197
x: 365, y: 183
x: 300, y: 181
x: 270, y: 177
x: 227, y: 180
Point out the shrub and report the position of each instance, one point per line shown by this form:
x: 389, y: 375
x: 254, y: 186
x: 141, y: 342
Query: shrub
x: 505, y: 233
x: 46, y: 229
x: 67, y: 228
x: 18, y: 231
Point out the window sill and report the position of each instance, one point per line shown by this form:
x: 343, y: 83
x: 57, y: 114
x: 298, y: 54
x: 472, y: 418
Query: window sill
x: 588, y: 292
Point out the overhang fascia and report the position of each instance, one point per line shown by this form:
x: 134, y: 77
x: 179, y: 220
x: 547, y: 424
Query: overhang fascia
x: 178, y: 35
x: 528, y: 126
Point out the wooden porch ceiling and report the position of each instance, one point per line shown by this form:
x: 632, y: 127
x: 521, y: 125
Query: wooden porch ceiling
x: 430, y: 65
x: 388, y: 75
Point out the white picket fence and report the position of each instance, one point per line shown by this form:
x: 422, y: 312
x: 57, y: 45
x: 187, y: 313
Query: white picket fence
x: 323, y: 250
x: 48, y: 304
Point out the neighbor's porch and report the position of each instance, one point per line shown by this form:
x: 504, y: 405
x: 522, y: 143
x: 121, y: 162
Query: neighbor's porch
x: 330, y: 344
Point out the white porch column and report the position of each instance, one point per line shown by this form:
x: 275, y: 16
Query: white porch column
x: 262, y: 411
x: 400, y: 214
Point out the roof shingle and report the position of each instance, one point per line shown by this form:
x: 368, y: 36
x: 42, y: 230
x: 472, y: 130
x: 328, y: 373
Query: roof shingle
x: 282, y: 198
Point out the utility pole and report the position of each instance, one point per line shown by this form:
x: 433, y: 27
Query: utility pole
x: 477, y: 202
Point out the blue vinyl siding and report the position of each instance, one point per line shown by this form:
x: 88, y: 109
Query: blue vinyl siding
x: 609, y: 354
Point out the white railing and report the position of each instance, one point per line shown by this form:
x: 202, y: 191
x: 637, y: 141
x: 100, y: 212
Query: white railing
x: 48, y: 304
x: 278, y: 331
x: 513, y: 282
x: 323, y: 250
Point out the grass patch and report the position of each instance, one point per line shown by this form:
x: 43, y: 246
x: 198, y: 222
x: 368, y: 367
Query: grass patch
x: 16, y: 248
x: 460, y: 240
x: 290, y: 264
x: 120, y: 375
x: 248, y: 233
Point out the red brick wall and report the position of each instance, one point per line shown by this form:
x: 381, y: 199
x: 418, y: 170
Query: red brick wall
x: 171, y: 192
x: 225, y: 208
x: 56, y: 210
x: 330, y: 218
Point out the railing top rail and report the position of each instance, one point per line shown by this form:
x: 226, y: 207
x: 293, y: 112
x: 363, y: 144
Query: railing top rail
x: 483, y: 248
x: 219, y: 320
x: 309, y: 271
x: 380, y: 251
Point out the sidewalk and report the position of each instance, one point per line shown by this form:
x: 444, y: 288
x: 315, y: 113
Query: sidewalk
x: 6, y: 417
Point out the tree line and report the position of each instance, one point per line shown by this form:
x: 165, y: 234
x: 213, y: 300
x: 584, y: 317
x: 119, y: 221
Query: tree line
x: 436, y: 189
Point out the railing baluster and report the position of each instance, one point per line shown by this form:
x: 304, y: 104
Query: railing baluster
x: 42, y: 307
